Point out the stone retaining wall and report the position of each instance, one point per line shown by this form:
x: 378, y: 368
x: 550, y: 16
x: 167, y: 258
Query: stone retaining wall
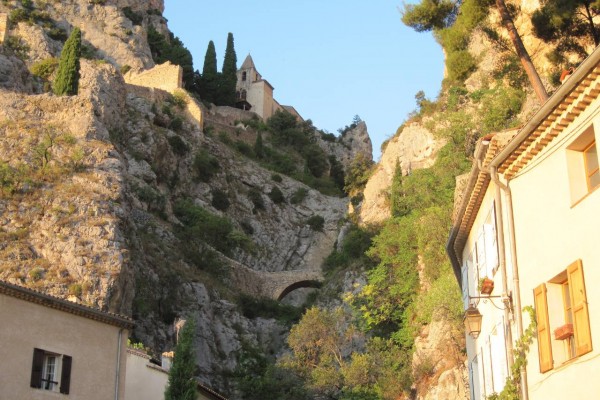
x: 166, y: 76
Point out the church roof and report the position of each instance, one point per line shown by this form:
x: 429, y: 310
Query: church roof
x: 248, y: 63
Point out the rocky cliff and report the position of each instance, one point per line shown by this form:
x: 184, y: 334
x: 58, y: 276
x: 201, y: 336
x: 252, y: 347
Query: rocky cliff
x: 114, y: 198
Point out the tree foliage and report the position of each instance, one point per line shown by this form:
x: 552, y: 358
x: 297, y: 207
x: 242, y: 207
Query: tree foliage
x: 67, y: 76
x: 228, y: 74
x: 430, y: 14
x: 182, y: 384
x: 208, y: 84
x: 567, y: 24
x: 174, y: 51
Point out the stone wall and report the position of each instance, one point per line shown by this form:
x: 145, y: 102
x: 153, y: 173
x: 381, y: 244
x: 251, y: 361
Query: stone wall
x: 166, y: 76
x: 3, y: 27
x: 163, y: 78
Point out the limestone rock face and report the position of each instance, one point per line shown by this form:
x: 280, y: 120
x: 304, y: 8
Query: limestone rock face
x: 353, y: 142
x: 106, y: 31
x: 438, y: 363
x: 414, y: 148
x: 14, y: 74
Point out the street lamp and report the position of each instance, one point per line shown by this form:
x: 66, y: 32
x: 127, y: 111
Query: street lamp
x: 472, y: 320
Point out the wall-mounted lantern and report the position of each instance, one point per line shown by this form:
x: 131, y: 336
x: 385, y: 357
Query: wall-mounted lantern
x: 472, y: 320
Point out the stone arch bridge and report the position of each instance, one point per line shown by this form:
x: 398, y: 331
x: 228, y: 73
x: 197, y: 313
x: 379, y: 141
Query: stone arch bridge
x: 273, y: 285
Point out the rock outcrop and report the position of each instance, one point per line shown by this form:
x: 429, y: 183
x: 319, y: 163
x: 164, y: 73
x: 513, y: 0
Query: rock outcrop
x: 415, y: 147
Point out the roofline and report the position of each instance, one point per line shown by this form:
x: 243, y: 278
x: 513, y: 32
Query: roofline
x: 480, y: 150
x: 557, y: 97
x: 46, y: 300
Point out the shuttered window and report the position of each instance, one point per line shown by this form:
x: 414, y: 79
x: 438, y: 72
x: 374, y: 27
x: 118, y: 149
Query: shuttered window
x: 47, y: 367
x: 543, y: 328
x: 581, y: 321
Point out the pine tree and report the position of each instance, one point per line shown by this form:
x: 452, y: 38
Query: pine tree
x: 182, y: 384
x: 228, y: 74
x: 567, y: 24
x: 67, y: 77
x: 209, y: 83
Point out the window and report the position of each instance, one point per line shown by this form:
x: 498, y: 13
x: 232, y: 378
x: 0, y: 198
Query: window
x: 562, y: 318
x: 243, y: 75
x: 51, y: 371
x: 583, y: 166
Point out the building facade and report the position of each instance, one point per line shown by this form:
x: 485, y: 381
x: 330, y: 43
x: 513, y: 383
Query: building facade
x: 54, y: 348
x: 254, y: 93
x: 544, y: 184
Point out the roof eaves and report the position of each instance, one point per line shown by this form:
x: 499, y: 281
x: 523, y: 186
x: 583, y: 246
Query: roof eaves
x: 519, y: 143
x: 46, y: 300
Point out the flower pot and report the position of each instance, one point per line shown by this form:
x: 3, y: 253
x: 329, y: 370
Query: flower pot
x: 487, y: 286
x: 563, y: 332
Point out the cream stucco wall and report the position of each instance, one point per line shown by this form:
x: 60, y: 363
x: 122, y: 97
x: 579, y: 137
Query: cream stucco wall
x: 552, y: 233
x: 487, y: 354
x: 144, y: 382
x: 92, y: 345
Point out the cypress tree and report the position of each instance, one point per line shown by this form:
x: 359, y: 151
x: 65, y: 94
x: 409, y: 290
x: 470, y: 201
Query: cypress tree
x: 228, y: 74
x: 209, y: 81
x: 182, y: 384
x: 67, y: 77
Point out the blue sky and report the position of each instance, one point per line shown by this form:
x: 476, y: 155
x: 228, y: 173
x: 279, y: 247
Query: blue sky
x: 330, y: 59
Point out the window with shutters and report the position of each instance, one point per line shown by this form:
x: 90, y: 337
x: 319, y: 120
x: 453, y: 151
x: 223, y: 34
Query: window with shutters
x: 51, y: 371
x: 562, y: 318
x: 583, y: 165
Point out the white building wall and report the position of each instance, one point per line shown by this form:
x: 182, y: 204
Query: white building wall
x: 142, y: 381
x: 552, y: 233
x: 92, y: 345
x: 487, y: 354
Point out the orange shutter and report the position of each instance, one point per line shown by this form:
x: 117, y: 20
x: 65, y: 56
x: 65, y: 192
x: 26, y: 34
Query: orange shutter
x: 581, y: 319
x: 543, y: 328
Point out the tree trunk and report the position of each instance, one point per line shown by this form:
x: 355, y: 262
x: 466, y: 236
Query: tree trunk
x: 530, y: 70
x: 590, y: 21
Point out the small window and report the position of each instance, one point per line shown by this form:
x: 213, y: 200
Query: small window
x: 562, y: 318
x: 51, y: 371
x: 243, y: 75
x: 582, y: 165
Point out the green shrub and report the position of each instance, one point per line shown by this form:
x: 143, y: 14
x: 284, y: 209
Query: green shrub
x: 256, y: 197
x: 299, y: 195
x: 220, y: 201
x: 316, y: 223
x: 205, y: 166
x: 134, y: 17
x: 244, y: 148
x: 15, y: 46
x: 276, y: 195
x: 179, y: 98
x: 176, y: 124
x: 178, y: 146
x: 45, y: 68
x: 199, y: 224
x: 268, y: 308
x: 57, y: 33
x: 67, y: 77
x: 276, y: 178
x: 75, y: 289
x: 125, y: 69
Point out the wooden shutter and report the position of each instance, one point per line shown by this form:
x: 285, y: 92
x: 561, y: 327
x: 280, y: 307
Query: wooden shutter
x: 581, y: 319
x: 543, y: 328
x: 65, y: 375
x: 37, y: 367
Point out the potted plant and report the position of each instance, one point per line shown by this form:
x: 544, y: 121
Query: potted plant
x: 486, y: 285
x: 563, y: 332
